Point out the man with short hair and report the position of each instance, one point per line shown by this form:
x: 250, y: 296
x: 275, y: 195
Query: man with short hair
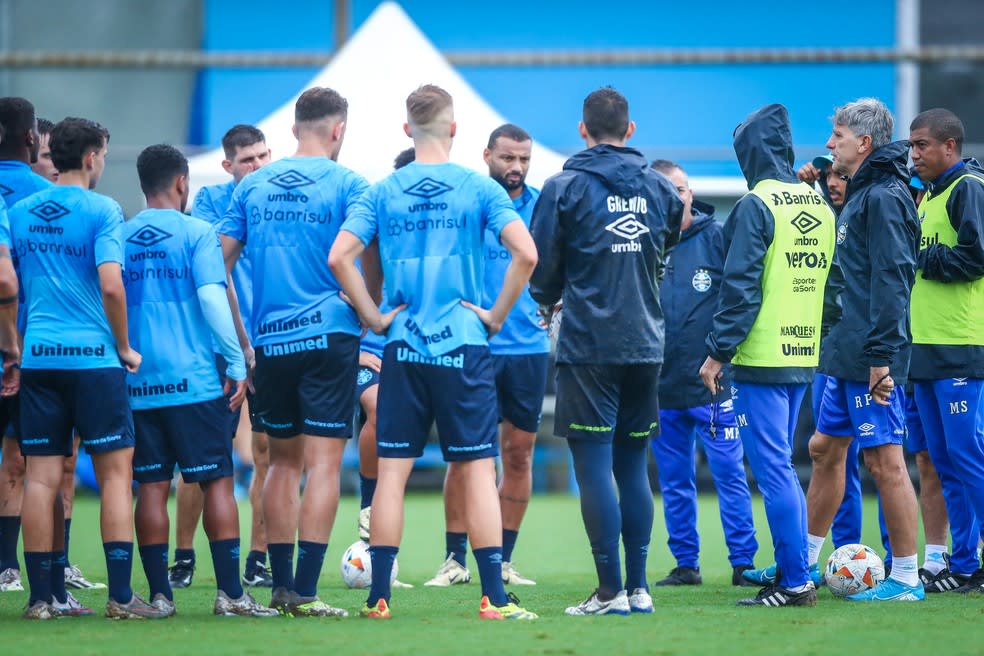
x: 866, y: 353
x: 947, y: 314
x: 245, y: 151
x: 77, y: 353
x: 688, y: 296
x: 604, y: 228
x: 180, y: 413
x: 44, y: 167
x: 519, y: 355
x: 306, y: 338
x: 436, y: 363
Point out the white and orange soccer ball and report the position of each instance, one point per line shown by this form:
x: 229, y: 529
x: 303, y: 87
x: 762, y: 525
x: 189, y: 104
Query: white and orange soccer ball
x: 357, y: 566
x: 853, y: 568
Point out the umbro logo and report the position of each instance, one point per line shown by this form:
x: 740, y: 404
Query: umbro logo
x: 5, y: 190
x: 866, y: 427
x: 805, y: 223
x: 627, y: 226
x: 427, y: 188
x: 49, y: 210
x: 291, y: 179
x: 959, y: 382
x: 118, y: 554
x: 148, y: 236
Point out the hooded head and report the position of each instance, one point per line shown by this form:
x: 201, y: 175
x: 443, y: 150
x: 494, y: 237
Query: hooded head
x: 764, y: 146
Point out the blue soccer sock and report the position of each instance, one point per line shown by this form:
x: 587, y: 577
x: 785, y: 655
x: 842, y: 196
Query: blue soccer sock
x: 489, y: 561
x: 38, y: 565
x: 382, y: 559
x: 184, y: 554
x: 255, y: 559
x: 282, y: 564
x: 600, y: 511
x: 9, y: 534
x: 631, y: 469
x: 456, y: 545
x: 153, y: 557
x: 119, y: 567
x: 58, y: 562
x: 68, y: 535
x: 225, y: 561
x: 367, y: 488
x: 508, y: 544
x: 310, y: 558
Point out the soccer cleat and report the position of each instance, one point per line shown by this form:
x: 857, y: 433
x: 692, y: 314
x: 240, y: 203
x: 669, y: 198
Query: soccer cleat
x: 926, y: 577
x: 975, y: 583
x: 640, y: 601
x: 245, y: 606
x: 163, y: 604
x: 279, y: 600
x: 736, y: 575
x: 400, y: 584
x: 511, y: 577
x: 451, y: 572
x: 10, y: 580
x: 594, y: 605
x: 816, y: 576
x: 181, y: 573
x: 75, y: 580
x: 944, y: 581
x: 39, y: 610
x: 764, y: 576
x: 508, y: 611
x: 258, y: 577
x: 682, y: 576
x: 72, y: 607
x: 774, y: 596
x: 380, y: 611
x: 135, y: 609
x: 364, y: 516
x: 299, y: 606
x: 890, y: 590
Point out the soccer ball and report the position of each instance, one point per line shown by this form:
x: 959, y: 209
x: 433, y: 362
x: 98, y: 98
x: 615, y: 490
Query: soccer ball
x: 853, y: 568
x: 357, y: 566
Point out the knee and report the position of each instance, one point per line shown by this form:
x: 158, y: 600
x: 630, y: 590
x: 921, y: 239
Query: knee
x: 823, y: 452
x: 14, y: 465
x: 518, y: 459
x: 883, y: 464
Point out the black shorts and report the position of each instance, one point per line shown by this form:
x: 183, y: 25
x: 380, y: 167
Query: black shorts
x: 54, y: 401
x: 221, y: 365
x: 195, y: 437
x: 608, y: 402
x: 311, y: 391
x: 520, y: 384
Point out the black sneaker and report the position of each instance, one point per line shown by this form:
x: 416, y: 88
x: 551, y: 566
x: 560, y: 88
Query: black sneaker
x: 774, y: 596
x: 682, y: 576
x: 974, y: 583
x: 180, y: 573
x: 945, y: 581
x: 258, y: 577
x: 738, y: 580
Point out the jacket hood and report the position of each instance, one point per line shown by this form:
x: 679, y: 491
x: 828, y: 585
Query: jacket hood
x: 619, y: 168
x: 703, y: 217
x: 889, y: 160
x: 764, y: 146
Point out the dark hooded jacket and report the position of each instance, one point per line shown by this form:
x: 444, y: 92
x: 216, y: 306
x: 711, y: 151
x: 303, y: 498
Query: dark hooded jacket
x: 603, y: 228
x: 688, y: 294
x: 877, y: 243
x: 963, y: 262
x: 764, y: 147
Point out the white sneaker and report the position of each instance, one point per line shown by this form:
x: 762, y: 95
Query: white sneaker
x: 640, y: 601
x: 511, y: 577
x: 10, y: 581
x: 71, y: 608
x: 245, y: 606
x: 74, y: 579
x: 163, y: 604
x: 450, y: 573
x: 619, y: 605
x: 364, y: 516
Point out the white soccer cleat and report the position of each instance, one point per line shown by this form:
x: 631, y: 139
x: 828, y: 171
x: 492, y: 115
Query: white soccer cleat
x: 640, y: 601
x: 10, y: 581
x: 450, y: 573
x: 364, y: 516
x: 511, y: 577
x: 618, y: 605
x: 75, y: 580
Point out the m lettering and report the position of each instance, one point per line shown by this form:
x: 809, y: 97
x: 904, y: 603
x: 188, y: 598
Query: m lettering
x: 958, y: 407
x: 742, y: 421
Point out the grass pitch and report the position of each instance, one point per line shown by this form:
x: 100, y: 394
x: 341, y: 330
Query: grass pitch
x: 553, y: 550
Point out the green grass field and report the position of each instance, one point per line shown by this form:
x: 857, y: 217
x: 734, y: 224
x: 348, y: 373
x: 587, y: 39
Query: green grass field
x: 552, y: 549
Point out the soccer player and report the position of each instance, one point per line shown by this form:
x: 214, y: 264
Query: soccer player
x: 947, y: 313
x: 519, y: 356
x: 76, y: 355
x: 18, y: 151
x: 245, y: 151
x: 44, y: 167
x: 866, y: 353
x: 430, y: 219
x: 306, y: 338
x: 688, y: 296
x: 177, y: 304
x: 603, y: 228
x: 780, y: 238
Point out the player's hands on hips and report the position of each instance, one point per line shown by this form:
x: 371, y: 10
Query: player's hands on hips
x: 250, y: 356
x: 238, y: 389
x: 11, y: 378
x: 808, y: 173
x: 370, y: 361
x: 130, y: 359
x: 491, y: 325
x: 710, y: 373
x: 386, y: 319
x: 880, y: 385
